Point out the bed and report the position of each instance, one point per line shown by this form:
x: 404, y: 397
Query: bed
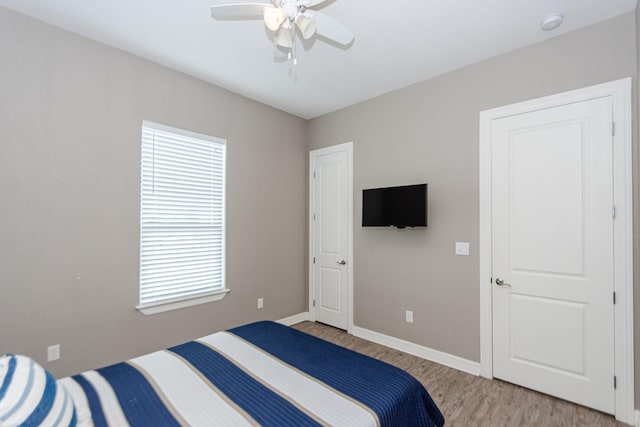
x: 263, y: 373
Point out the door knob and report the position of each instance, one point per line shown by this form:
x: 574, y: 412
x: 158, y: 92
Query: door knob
x: 501, y: 282
x: 343, y: 262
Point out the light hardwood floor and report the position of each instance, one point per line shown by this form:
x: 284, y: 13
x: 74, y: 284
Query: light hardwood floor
x: 467, y: 400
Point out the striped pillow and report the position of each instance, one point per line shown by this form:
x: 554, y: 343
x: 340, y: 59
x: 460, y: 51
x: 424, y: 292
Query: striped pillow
x: 30, y: 395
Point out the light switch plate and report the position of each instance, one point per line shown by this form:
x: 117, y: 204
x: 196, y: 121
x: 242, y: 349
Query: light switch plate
x: 462, y: 248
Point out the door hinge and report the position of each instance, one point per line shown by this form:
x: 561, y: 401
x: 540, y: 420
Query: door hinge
x: 314, y: 260
x: 613, y: 212
x: 314, y: 303
x: 491, y: 280
x: 614, y: 298
x: 314, y: 217
x: 613, y: 128
x: 615, y: 382
x: 314, y: 174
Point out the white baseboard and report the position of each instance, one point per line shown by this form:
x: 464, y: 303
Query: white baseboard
x: 637, y: 424
x: 427, y: 353
x: 296, y: 318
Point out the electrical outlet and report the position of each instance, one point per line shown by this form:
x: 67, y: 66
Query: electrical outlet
x: 409, y: 316
x: 260, y: 302
x: 53, y: 352
x: 462, y: 248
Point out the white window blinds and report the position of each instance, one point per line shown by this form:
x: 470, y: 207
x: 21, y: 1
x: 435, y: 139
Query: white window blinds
x: 181, y: 215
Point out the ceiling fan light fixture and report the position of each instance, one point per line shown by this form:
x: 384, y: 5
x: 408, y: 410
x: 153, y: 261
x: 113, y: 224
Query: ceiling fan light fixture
x: 306, y: 24
x: 274, y: 17
x: 285, y: 18
x: 284, y: 38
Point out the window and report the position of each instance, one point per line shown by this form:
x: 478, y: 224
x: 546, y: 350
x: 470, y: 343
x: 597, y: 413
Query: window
x: 182, y: 224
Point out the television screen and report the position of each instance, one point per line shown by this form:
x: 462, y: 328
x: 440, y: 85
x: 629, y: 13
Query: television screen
x: 401, y: 207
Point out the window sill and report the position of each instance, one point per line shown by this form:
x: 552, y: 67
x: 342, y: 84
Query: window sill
x: 149, y: 309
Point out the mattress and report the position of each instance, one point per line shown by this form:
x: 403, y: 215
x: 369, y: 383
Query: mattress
x: 263, y: 373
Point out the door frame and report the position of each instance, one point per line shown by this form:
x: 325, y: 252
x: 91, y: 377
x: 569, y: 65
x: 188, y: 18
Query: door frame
x: 348, y: 147
x: 620, y: 91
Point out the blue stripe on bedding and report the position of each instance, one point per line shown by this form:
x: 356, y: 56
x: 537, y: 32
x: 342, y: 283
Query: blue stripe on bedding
x: 397, y: 397
x: 262, y: 404
x: 97, y: 416
x: 8, y: 376
x: 138, y: 399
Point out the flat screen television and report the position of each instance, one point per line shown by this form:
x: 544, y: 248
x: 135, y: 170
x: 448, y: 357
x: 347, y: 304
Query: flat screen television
x: 400, y: 207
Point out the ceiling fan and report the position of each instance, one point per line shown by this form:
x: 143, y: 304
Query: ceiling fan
x: 284, y: 16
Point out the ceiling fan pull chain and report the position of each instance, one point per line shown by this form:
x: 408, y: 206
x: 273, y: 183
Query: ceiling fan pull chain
x: 293, y: 46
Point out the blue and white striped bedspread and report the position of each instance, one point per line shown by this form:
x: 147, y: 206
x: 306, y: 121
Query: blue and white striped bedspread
x: 258, y: 374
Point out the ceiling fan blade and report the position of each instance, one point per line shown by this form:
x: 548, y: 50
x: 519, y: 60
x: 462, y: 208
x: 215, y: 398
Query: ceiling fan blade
x: 332, y: 29
x: 239, y: 11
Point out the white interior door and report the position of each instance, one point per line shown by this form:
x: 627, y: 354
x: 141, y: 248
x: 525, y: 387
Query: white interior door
x: 330, y: 239
x: 552, y: 251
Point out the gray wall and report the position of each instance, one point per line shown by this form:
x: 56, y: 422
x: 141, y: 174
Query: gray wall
x: 70, y: 117
x: 428, y: 132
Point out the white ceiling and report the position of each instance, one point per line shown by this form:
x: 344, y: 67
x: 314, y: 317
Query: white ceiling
x: 398, y: 42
